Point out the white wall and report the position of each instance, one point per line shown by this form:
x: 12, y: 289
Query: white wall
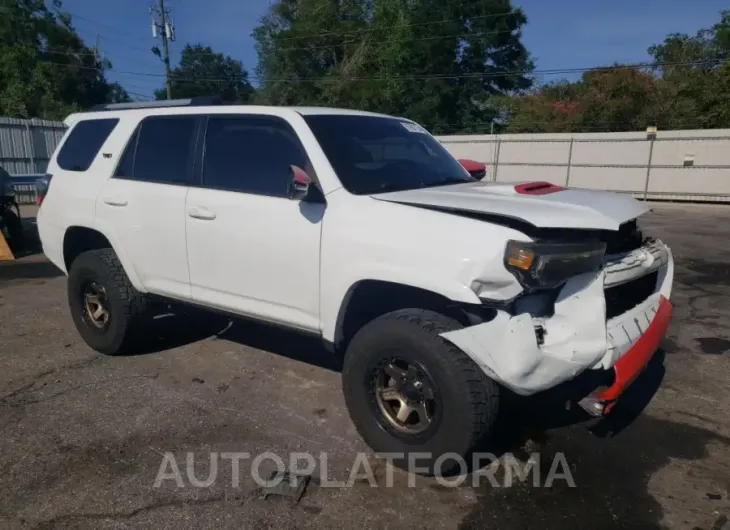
x: 625, y: 162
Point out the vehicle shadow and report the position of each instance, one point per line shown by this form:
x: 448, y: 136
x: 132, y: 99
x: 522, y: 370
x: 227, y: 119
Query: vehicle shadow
x: 174, y: 329
x: 170, y: 330
x: 290, y: 344
x: 32, y: 269
x: 526, y: 421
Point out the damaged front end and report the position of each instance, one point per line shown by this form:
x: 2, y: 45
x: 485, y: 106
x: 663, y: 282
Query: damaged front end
x: 586, y: 305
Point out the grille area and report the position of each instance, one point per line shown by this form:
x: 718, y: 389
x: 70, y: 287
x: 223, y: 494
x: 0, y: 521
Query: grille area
x: 621, y: 298
x: 628, y: 238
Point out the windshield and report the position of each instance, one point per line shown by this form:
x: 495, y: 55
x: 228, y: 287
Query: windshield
x: 373, y: 154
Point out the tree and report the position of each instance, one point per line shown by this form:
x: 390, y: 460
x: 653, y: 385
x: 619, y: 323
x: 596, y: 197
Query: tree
x: 694, y: 69
x: 686, y: 87
x: 202, y: 72
x: 617, y: 98
x: 439, y: 62
x: 46, y: 70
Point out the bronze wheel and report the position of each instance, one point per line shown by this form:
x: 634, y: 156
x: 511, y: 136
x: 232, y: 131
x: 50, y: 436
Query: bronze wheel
x: 95, y: 305
x: 411, y: 393
x: 405, y: 395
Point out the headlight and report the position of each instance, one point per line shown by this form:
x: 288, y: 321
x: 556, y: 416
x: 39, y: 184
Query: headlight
x: 547, y: 265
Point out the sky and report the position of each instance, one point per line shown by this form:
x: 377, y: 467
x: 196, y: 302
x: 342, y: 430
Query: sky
x: 560, y: 34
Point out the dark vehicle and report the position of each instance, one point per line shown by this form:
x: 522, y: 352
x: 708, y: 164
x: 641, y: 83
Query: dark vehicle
x: 11, y: 225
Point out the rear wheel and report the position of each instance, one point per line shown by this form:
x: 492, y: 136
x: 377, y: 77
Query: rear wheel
x: 109, y: 313
x: 410, y: 391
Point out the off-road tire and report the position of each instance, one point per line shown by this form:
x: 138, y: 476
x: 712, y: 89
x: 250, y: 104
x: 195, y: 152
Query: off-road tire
x: 469, y: 400
x: 128, y: 308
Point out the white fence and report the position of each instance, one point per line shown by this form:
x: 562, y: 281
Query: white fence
x: 675, y: 165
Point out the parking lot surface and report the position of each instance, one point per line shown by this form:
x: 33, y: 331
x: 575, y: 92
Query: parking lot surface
x: 84, y: 436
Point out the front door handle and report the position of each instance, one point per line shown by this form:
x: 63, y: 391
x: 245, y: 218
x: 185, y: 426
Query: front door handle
x: 201, y: 213
x: 115, y: 201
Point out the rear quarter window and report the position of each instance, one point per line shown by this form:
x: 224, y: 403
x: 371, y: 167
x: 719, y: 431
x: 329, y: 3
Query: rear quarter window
x: 83, y: 143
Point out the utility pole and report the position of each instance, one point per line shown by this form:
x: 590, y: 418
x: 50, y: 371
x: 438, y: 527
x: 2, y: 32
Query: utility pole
x: 162, y: 26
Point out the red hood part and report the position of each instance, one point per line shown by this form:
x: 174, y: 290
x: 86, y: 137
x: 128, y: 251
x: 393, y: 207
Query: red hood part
x: 537, y: 188
x: 472, y: 165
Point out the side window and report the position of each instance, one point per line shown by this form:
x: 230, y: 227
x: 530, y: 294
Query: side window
x: 125, y: 169
x: 164, y: 149
x: 83, y: 143
x: 251, y: 154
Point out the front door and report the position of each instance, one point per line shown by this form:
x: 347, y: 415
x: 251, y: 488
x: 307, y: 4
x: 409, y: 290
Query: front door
x: 251, y: 249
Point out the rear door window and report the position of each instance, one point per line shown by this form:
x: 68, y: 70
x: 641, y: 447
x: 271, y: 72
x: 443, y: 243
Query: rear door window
x: 160, y: 150
x: 83, y: 143
x: 165, y: 149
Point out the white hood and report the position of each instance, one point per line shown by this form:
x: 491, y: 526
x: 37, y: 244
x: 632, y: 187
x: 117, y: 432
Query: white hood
x: 567, y: 208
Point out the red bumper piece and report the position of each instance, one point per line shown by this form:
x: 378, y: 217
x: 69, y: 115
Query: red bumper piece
x: 630, y: 366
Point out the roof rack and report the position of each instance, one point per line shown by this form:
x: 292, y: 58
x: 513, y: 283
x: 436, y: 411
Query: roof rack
x: 189, y: 102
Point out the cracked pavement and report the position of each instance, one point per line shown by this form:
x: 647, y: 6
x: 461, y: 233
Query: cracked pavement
x: 83, y: 435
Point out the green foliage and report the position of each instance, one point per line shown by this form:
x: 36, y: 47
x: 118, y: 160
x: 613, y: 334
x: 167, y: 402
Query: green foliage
x: 453, y: 65
x: 46, y: 70
x: 687, y: 88
x: 202, y: 72
x: 436, y: 61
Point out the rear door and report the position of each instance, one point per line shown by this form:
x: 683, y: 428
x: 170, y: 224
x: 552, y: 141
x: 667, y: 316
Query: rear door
x: 144, y: 202
x: 251, y: 249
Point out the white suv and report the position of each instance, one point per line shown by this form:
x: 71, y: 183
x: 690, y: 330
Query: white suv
x: 441, y: 291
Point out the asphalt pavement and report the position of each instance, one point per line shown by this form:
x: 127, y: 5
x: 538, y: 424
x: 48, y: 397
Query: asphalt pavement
x: 85, y: 437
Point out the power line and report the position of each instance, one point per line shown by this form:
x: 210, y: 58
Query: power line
x: 143, y: 96
x: 460, y: 36
x: 113, y: 28
x: 397, y: 26
x: 485, y: 75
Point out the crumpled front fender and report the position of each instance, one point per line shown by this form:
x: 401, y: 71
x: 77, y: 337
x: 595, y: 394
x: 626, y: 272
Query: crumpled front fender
x: 506, y: 347
x: 577, y: 336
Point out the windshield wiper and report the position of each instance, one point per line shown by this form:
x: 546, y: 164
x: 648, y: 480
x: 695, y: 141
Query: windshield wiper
x: 444, y: 182
x: 386, y: 187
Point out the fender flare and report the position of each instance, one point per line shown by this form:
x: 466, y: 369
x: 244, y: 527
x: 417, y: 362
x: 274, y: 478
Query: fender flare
x: 454, y: 291
x: 105, y: 231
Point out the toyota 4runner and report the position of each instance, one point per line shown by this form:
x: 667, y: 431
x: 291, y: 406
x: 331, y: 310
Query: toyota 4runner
x: 441, y: 291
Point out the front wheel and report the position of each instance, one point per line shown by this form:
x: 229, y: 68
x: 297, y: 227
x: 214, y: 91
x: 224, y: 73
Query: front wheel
x: 109, y: 313
x: 412, y: 393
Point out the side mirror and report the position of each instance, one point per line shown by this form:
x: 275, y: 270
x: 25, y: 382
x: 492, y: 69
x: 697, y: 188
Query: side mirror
x: 299, y: 183
x: 476, y: 169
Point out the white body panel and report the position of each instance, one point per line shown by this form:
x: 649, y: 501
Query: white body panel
x: 148, y: 221
x: 255, y: 255
x: 296, y: 263
x: 563, y: 209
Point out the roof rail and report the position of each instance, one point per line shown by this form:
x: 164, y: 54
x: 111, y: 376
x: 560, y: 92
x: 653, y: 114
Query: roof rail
x: 189, y: 102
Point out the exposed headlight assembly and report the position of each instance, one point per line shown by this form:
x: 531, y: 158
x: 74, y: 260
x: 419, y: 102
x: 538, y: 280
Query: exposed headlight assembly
x: 544, y: 265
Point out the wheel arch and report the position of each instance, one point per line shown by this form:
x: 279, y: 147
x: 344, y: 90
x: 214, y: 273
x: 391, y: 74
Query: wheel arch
x: 368, y: 299
x: 80, y: 238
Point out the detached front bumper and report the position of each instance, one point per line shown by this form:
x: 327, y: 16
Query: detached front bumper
x: 579, y: 336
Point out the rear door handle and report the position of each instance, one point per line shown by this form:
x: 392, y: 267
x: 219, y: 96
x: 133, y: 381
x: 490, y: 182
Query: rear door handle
x: 115, y: 201
x: 201, y: 213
